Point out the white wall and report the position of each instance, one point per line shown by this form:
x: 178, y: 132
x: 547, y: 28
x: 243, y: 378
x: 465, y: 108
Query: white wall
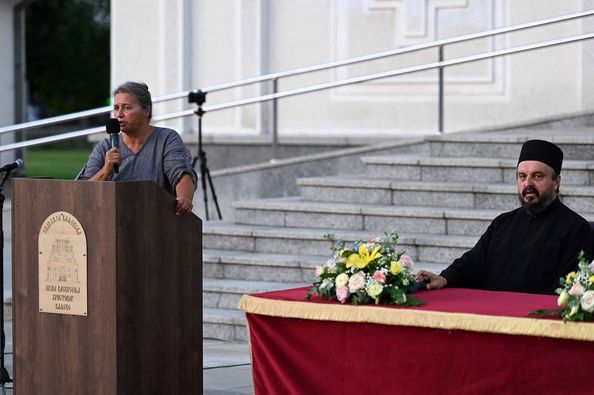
x: 6, y: 60
x: 150, y: 43
x: 184, y: 44
x: 7, y: 85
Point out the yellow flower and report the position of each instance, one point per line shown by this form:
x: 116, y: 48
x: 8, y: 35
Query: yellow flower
x: 363, y: 258
x: 574, y: 309
x: 570, y: 277
x: 395, y: 267
x: 563, y: 298
x: 375, y: 290
x: 591, y: 278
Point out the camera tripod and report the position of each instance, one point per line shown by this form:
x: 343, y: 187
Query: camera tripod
x: 199, y: 97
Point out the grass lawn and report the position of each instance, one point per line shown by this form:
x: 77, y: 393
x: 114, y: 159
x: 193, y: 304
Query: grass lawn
x: 58, y: 163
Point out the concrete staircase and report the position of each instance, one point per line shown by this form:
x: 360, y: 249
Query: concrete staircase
x: 440, y: 203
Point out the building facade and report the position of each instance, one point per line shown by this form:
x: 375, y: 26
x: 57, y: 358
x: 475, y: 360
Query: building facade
x: 178, y: 45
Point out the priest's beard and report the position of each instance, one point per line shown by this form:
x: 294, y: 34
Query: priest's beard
x: 539, y: 205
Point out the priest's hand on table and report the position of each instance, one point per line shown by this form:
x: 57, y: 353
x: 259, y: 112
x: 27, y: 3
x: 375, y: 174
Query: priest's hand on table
x: 433, y: 280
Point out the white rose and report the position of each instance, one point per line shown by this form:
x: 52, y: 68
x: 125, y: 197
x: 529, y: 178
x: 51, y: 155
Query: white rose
x: 326, y: 283
x: 356, y: 282
x: 587, y: 301
x: 342, y: 279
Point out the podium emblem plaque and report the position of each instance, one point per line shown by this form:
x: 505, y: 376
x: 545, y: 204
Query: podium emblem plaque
x: 62, y: 265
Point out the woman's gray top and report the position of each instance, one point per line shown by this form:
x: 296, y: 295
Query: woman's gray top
x: 163, y: 158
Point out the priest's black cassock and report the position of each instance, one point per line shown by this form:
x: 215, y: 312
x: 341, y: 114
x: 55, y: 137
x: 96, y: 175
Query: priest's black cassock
x: 521, y: 252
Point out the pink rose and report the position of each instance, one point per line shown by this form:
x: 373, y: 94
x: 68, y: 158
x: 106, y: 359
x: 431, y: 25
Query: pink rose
x: 379, y: 277
x: 406, y: 261
x: 577, y: 289
x: 342, y: 293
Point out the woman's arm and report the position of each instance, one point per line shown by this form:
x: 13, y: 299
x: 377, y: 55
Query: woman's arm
x: 112, y: 157
x: 184, y: 190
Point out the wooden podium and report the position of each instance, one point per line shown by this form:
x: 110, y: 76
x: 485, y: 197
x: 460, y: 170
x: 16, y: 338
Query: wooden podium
x: 140, y: 331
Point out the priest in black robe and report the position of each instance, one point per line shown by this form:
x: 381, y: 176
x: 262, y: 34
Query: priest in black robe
x: 530, y: 248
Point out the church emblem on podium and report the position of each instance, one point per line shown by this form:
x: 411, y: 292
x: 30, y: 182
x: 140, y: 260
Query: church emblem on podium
x: 62, y: 265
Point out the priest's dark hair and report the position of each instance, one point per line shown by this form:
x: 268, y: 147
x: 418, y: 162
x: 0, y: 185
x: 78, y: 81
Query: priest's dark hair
x: 542, y: 151
x: 545, y: 152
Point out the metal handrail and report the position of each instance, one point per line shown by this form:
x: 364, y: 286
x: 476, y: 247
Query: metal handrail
x: 294, y: 72
x: 315, y: 88
x: 370, y: 77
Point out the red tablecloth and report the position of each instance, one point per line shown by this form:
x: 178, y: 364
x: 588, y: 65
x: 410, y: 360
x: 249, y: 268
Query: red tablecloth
x: 450, y: 300
x: 348, y: 353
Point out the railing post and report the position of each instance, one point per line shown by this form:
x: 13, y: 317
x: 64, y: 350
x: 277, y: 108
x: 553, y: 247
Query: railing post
x: 274, y: 121
x: 440, y: 92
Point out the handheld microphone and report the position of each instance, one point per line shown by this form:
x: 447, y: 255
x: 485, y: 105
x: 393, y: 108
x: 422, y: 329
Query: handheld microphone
x: 11, y: 166
x: 113, y: 129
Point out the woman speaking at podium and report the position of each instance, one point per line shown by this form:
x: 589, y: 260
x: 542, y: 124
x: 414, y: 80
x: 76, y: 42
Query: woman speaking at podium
x: 142, y: 151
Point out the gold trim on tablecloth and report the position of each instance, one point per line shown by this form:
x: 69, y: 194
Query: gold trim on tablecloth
x: 419, y: 318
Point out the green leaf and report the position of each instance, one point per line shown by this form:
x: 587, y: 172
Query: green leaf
x: 412, y: 301
x: 547, y: 313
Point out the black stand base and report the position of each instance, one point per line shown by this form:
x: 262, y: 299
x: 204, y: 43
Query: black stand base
x: 204, y: 178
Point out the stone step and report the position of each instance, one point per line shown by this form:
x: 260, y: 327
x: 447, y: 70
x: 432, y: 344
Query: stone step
x: 576, y: 144
x: 226, y: 264
x: 494, y: 196
x: 295, y: 212
x: 224, y: 324
x: 284, y: 270
x: 466, y: 169
x: 225, y: 293
x: 440, y: 249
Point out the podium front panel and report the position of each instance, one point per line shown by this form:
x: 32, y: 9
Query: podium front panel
x: 143, y: 327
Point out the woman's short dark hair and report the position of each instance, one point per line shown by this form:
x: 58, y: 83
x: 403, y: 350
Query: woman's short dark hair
x: 140, y: 91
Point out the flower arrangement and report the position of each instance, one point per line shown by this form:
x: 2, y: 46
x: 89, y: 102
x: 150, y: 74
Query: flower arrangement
x: 366, y: 272
x: 576, y: 294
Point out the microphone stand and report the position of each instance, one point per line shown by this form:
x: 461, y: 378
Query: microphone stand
x: 4, y: 376
x: 199, y: 97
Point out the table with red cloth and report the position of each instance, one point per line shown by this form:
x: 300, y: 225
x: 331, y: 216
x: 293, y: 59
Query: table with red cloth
x: 460, y: 341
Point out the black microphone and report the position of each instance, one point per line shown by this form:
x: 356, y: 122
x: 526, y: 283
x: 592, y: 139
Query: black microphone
x: 11, y: 166
x: 113, y: 129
